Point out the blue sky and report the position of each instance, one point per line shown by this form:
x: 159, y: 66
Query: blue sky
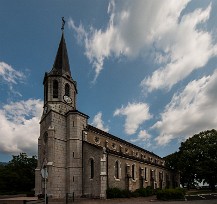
x: 145, y: 69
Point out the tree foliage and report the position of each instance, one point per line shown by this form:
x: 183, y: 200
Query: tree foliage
x: 196, y: 159
x: 18, y: 175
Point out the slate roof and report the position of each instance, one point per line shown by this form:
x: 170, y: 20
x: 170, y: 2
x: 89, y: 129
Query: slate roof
x: 61, y: 63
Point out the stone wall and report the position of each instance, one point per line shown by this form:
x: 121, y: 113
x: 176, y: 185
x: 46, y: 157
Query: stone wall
x: 52, y: 150
x: 149, y: 169
x: 91, y: 185
x: 76, y: 122
x: 144, y: 174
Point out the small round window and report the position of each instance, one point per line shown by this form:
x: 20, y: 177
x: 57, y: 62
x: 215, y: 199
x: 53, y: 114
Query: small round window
x: 97, y: 140
x: 113, y: 145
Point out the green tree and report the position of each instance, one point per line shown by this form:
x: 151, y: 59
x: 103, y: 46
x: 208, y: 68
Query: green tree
x: 202, y: 148
x: 182, y: 163
x: 197, y: 159
x: 19, y: 174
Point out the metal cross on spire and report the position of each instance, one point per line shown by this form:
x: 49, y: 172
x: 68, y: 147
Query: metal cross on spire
x: 63, y: 23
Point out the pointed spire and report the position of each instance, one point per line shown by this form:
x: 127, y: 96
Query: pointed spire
x: 61, y: 63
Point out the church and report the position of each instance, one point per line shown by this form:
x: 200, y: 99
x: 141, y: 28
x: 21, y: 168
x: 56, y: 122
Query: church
x: 82, y: 159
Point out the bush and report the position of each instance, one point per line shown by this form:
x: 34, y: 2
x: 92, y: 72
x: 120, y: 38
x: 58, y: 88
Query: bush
x: 118, y: 193
x: 149, y: 191
x: 114, y: 193
x: 135, y: 194
x: 126, y: 194
x: 142, y: 192
x: 170, y: 194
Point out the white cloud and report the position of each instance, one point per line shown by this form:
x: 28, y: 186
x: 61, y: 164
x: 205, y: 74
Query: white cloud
x: 9, y: 74
x: 185, y: 49
x: 98, y: 122
x: 161, y: 28
x: 143, y: 136
x: 100, y: 44
x: 19, y: 126
x: 189, y: 112
x: 136, y: 114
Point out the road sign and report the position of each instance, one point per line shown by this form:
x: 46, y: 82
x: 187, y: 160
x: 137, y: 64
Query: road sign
x: 44, y: 173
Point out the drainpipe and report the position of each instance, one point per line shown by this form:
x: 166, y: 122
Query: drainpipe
x: 84, y: 133
x: 107, y: 170
x: 82, y: 157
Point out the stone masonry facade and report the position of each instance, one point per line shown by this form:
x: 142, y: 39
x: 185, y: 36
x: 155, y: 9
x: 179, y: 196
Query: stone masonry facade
x: 81, y: 159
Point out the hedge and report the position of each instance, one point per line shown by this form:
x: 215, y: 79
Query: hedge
x: 118, y: 193
x: 171, y: 194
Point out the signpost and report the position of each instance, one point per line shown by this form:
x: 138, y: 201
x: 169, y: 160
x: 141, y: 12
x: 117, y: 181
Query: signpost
x: 44, y: 175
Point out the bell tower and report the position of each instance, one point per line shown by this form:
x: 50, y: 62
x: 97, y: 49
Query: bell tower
x: 61, y: 132
x: 60, y: 89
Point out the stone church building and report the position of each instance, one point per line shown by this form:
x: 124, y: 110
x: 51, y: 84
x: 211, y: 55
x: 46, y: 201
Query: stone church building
x: 82, y: 159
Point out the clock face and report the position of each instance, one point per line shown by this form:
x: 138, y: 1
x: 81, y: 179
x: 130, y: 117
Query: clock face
x: 67, y: 99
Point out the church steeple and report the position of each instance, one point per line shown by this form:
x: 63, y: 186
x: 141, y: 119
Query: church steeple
x: 61, y: 63
x: 59, y: 88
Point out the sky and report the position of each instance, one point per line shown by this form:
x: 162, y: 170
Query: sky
x: 146, y: 70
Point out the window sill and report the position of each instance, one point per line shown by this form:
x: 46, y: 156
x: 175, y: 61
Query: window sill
x: 117, y: 179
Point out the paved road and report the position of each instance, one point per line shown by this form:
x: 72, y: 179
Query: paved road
x: 142, y: 201
x: 150, y: 200
x: 189, y: 202
x: 130, y: 201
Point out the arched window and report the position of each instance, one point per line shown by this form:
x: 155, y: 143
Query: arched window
x: 152, y: 174
x: 45, y: 92
x: 146, y: 173
x: 45, y: 137
x: 133, y: 172
x: 55, y: 89
x: 117, y: 170
x: 91, y: 168
x: 67, y: 90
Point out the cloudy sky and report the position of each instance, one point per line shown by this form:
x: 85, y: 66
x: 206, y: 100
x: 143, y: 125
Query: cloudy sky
x: 146, y: 69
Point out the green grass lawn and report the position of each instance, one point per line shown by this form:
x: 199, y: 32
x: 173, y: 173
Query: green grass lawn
x: 201, y: 191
